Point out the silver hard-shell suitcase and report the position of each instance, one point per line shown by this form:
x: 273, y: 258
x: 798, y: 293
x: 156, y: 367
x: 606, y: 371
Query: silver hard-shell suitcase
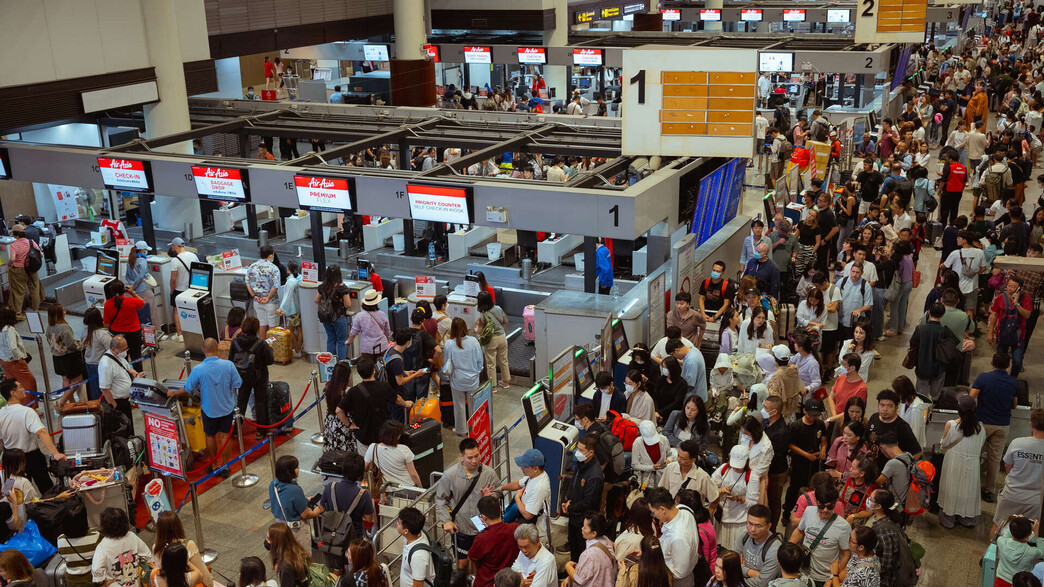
x: 81, y: 434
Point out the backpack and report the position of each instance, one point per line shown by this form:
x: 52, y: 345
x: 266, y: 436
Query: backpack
x: 906, y: 567
x: 413, y: 357
x: 244, y: 360
x: 34, y: 259
x: 327, y: 313
x: 784, y: 120
x: 336, y: 528
x: 622, y: 428
x: 918, y: 495
x: 904, y: 187
x: 380, y: 371
x: 786, y: 150
x: 617, y: 462
x: 319, y: 575
x: 1008, y: 332
x: 746, y: 479
x: 993, y: 183
x: 724, y: 286
x: 488, y: 330
x: 768, y: 542
x: 440, y: 557
x: 862, y: 286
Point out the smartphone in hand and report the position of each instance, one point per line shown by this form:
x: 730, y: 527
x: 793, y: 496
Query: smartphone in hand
x: 315, y: 500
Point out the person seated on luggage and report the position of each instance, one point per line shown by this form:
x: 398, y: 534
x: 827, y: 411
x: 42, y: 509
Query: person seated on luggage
x: 170, y: 531
x: 456, y: 501
x: 392, y: 458
x: 22, y: 490
x: 252, y: 573
x: 20, y: 427
x: 17, y: 571
x: 690, y: 422
x: 115, y: 562
x: 607, y: 397
x: 289, y: 504
x: 252, y: 356
x: 217, y: 381
x: 532, y: 490
x: 178, y: 569
x: 289, y: 559
x: 115, y: 376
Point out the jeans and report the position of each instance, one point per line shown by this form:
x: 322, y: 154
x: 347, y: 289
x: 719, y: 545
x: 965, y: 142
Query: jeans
x: 899, y: 306
x: 931, y: 387
x: 948, y: 204
x: 1017, y: 352
x: 877, y: 313
x: 336, y: 334
x: 93, y: 390
x: 995, y: 437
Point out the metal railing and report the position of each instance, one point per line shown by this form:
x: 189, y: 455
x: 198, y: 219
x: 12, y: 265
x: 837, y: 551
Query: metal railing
x: 424, y: 502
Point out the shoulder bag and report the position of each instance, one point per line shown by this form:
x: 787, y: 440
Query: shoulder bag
x: 463, y: 498
x: 807, y: 551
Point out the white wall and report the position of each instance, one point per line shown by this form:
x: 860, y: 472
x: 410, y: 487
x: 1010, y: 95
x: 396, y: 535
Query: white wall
x: 64, y: 39
x: 82, y: 135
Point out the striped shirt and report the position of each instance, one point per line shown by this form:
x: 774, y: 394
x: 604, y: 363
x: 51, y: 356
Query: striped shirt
x: 78, y: 552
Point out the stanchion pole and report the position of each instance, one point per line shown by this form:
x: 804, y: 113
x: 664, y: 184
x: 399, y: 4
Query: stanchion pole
x: 272, y: 463
x: 152, y: 363
x: 209, y: 555
x: 47, y: 386
x: 188, y: 363
x: 318, y: 438
x: 244, y: 479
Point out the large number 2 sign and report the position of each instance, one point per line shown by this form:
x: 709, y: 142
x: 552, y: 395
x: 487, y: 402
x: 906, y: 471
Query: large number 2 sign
x: 868, y: 9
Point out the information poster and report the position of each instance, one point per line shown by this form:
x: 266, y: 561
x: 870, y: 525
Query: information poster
x: 326, y: 362
x: 148, y: 333
x: 471, y: 286
x: 479, y: 430
x: 657, y: 311
x: 309, y: 272
x: 65, y: 207
x: 231, y: 260
x: 425, y: 287
x: 561, y: 385
x: 161, y: 434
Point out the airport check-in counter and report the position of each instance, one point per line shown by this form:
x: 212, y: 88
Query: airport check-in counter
x: 159, y: 269
x: 312, y: 331
x: 458, y: 305
x: 221, y: 291
x: 298, y: 227
x: 375, y: 235
x: 552, y: 251
x: 460, y: 243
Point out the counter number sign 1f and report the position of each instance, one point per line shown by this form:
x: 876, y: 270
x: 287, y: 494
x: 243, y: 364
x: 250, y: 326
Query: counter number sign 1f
x: 701, y: 101
x: 890, y: 21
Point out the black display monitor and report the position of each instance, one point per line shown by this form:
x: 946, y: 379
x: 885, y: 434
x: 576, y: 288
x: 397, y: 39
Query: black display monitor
x: 363, y: 269
x: 620, y: 345
x: 126, y: 175
x: 200, y: 276
x: 583, y: 375
x: 5, y: 164
x: 108, y: 263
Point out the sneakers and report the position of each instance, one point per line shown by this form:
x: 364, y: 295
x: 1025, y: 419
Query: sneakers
x: 988, y: 497
x: 177, y: 338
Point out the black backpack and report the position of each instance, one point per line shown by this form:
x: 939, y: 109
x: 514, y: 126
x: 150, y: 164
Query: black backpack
x: 440, y: 558
x: 327, y: 313
x: 904, y: 187
x: 336, y: 527
x: 1008, y: 332
x: 33, y: 260
x: 244, y: 360
x: 413, y: 357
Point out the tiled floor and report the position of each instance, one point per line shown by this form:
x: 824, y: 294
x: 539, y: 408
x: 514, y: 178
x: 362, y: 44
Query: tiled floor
x: 234, y: 521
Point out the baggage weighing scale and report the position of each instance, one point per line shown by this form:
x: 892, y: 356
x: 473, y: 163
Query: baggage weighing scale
x: 556, y: 440
x: 195, y: 307
x: 106, y: 271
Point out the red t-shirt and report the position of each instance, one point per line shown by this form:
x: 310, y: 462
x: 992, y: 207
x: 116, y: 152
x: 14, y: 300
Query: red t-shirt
x: 998, y: 308
x: 654, y: 451
x: 494, y: 549
x: 489, y: 290
x: 269, y: 69
x: 843, y: 390
x: 126, y: 320
x: 375, y: 281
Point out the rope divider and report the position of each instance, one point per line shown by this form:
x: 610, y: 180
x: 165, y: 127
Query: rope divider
x: 288, y: 416
x: 216, y: 472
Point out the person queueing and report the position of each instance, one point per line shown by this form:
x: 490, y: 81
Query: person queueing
x: 22, y: 280
x: 21, y: 428
x: 456, y: 501
x: 495, y: 548
x: 679, y: 535
x: 115, y: 376
x: 585, y: 495
x: 252, y: 356
x: 217, y: 381
x: 121, y: 316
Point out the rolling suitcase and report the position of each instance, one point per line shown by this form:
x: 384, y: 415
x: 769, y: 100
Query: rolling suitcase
x: 282, y: 346
x: 279, y: 403
x: 424, y: 438
x: 81, y: 434
x: 192, y: 416
x: 786, y: 321
x: 933, y: 231
x: 989, y: 566
x: 446, y: 403
x: 398, y: 316
x: 529, y: 323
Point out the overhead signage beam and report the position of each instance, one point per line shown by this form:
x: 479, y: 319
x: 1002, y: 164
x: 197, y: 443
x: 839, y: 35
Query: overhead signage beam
x: 891, y: 21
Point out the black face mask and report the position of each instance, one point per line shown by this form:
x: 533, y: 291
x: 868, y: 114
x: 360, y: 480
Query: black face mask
x: 268, y: 545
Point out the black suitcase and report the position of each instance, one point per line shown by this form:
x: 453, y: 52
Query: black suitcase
x: 934, y: 231
x: 933, y: 500
x: 399, y: 316
x: 55, y: 517
x: 710, y: 350
x: 948, y: 397
x: 446, y: 403
x: 279, y: 403
x: 424, y: 438
x: 1023, y: 392
x: 332, y: 462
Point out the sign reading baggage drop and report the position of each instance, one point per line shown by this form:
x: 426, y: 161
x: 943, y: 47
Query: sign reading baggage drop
x: 435, y: 203
x: 219, y: 183
x: 125, y: 174
x: 892, y: 21
x: 705, y: 109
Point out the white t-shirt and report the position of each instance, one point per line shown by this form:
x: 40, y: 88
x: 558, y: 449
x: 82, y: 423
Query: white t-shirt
x: 18, y: 427
x: 1026, y: 456
x: 761, y: 126
x: 659, y: 350
x: 969, y: 260
x: 748, y: 345
x: 420, y: 568
x: 113, y: 375
x: 831, y: 295
x: 182, y: 270
x: 543, y: 566
x: 869, y: 271
x: 392, y: 460
x: 117, y: 560
x: 536, y: 491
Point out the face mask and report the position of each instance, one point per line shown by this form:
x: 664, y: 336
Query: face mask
x: 122, y: 355
x: 765, y: 414
x: 580, y: 456
x: 578, y: 424
x: 268, y: 545
x: 639, y: 361
x: 251, y: 94
x: 870, y: 504
x: 608, y: 391
x: 665, y: 372
x: 715, y: 274
x: 628, y: 389
x: 744, y: 439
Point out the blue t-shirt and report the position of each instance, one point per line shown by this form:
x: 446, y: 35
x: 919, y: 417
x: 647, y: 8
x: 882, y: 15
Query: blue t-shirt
x: 217, y: 382
x: 997, y: 392
x: 292, y: 498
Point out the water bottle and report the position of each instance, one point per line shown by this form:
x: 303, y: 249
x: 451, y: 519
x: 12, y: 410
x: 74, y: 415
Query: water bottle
x: 431, y: 252
x: 616, y: 291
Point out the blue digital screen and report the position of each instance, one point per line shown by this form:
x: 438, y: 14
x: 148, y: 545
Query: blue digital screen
x: 718, y: 199
x: 200, y: 280
x: 364, y: 275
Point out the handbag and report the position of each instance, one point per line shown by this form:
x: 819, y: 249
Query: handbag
x: 30, y: 543
x: 150, y: 281
x: 910, y: 360
x: 892, y: 293
x: 301, y: 530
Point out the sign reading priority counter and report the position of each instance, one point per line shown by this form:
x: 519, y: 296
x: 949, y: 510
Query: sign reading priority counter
x: 435, y: 203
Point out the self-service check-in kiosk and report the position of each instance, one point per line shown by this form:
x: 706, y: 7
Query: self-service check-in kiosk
x: 620, y: 349
x: 583, y: 377
x: 556, y: 440
x: 195, y: 307
x: 106, y: 270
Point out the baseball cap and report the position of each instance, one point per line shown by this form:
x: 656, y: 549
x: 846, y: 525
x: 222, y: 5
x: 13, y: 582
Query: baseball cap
x: 177, y: 242
x: 781, y: 351
x: 142, y: 246
x: 966, y: 401
x: 530, y: 458
x: 648, y: 431
x: 18, y: 227
x: 813, y: 406
x: 738, y: 457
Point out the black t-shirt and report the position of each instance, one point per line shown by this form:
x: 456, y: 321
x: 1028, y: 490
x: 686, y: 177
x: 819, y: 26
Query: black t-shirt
x: 713, y: 300
x: 897, y: 428
x: 394, y: 366
x: 869, y: 185
x: 346, y: 492
x: 807, y: 234
x: 367, y: 404
x: 806, y: 437
x: 779, y: 435
x: 339, y: 291
x: 827, y: 222
x: 421, y: 350
x: 948, y: 113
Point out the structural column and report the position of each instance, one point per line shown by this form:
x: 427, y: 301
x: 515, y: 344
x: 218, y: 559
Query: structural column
x: 170, y: 115
x: 412, y: 75
x: 557, y: 77
x: 711, y: 25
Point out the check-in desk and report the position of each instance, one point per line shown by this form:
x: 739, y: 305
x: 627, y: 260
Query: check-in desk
x: 375, y: 235
x: 312, y: 331
x: 552, y: 251
x: 457, y: 306
x: 225, y: 219
x: 460, y: 243
x: 220, y: 290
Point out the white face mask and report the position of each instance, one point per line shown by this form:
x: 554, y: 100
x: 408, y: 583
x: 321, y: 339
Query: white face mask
x: 122, y: 354
x: 765, y: 414
x: 744, y: 439
x: 665, y: 372
x: 639, y: 361
x: 628, y: 389
x: 580, y: 456
x: 608, y: 391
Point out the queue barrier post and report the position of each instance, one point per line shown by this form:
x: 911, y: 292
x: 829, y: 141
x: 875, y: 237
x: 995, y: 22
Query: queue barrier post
x: 208, y: 554
x: 188, y: 363
x: 152, y: 362
x: 244, y: 479
x: 272, y: 463
x: 49, y: 418
x: 318, y: 437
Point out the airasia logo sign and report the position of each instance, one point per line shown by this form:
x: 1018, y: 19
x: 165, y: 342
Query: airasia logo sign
x: 121, y: 164
x: 587, y: 56
x: 323, y: 193
x: 216, y: 172
x: 319, y: 182
x: 123, y: 174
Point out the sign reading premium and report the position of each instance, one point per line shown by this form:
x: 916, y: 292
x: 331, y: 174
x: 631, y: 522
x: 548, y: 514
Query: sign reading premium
x: 325, y: 194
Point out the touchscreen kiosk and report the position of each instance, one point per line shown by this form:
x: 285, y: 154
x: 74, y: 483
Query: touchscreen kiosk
x: 583, y: 376
x: 106, y: 270
x: 556, y: 440
x: 621, y: 352
x: 195, y: 307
